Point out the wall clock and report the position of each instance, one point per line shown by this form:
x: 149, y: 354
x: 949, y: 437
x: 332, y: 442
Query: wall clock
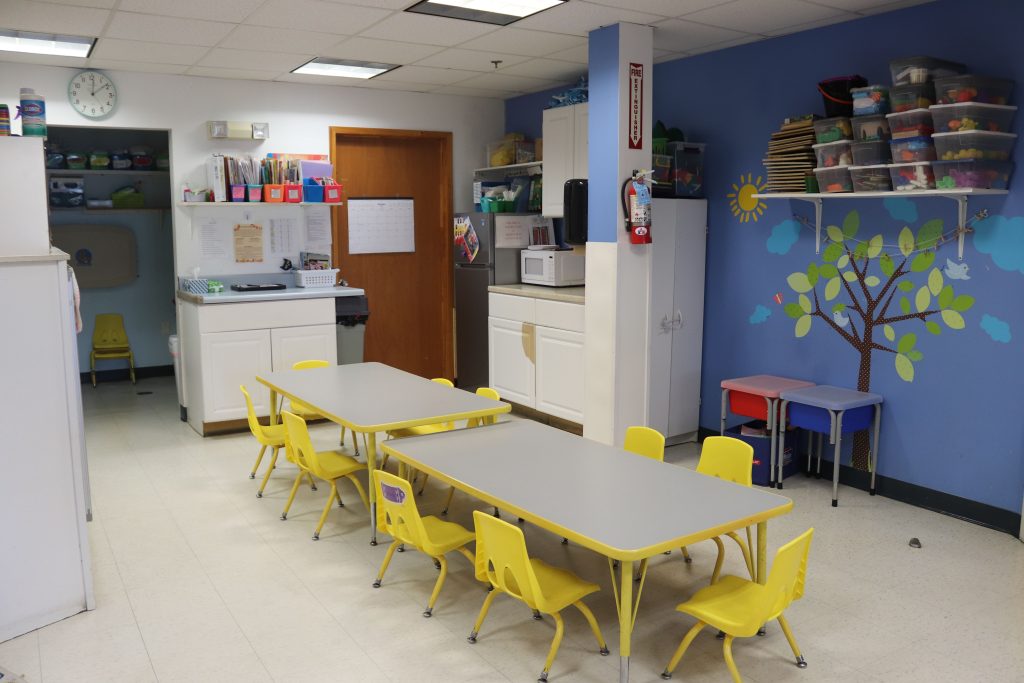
x: 92, y: 94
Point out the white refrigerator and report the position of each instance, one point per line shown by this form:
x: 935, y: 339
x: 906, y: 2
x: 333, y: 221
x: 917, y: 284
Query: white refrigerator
x: 45, y: 570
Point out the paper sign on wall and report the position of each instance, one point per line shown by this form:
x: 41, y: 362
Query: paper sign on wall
x: 377, y: 226
x: 636, y: 105
x: 248, y: 243
x: 512, y: 232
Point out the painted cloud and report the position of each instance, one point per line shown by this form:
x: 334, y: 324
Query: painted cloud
x: 760, y: 315
x: 783, y: 237
x: 1003, y: 240
x: 998, y: 329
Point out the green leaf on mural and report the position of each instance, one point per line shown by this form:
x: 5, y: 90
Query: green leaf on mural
x: 904, y: 368
x: 872, y: 281
x: 889, y: 333
x: 861, y: 251
x: 851, y: 224
x: 839, y: 307
x: 832, y: 289
x: 843, y: 261
x: 906, y: 241
x: 929, y: 234
x: 953, y: 320
x: 915, y: 355
x: 835, y: 234
x: 962, y: 303
x: 805, y: 304
x: 828, y: 271
x: 794, y: 311
x: 923, y: 299
x: 906, y: 286
x: 933, y: 327
x: 875, y: 246
x: 799, y: 283
x: 906, y: 342
x: 849, y: 276
x: 905, y: 305
x: 935, y: 281
x: 922, y: 262
x: 812, y: 274
x: 832, y: 252
x: 887, y: 266
x: 946, y: 296
x: 803, y: 325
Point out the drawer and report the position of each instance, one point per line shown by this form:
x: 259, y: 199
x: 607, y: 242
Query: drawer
x: 265, y: 314
x: 560, y: 315
x: 520, y: 308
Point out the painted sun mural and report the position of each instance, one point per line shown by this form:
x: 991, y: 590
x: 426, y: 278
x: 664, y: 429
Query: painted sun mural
x: 742, y: 201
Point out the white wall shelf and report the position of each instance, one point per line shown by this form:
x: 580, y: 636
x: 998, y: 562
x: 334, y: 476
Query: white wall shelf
x: 959, y: 195
x: 511, y: 169
x: 244, y: 205
x: 62, y: 172
x: 83, y: 209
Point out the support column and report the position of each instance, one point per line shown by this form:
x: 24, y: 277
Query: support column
x: 618, y: 273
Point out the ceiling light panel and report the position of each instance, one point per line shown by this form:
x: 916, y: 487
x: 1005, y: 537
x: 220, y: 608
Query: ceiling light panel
x: 45, y: 44
x: 498, y: 12
x: 344, y: 68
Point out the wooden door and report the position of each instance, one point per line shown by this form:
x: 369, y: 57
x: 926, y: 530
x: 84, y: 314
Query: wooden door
x: 410, y: 294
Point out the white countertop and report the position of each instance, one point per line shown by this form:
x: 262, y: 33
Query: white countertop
x: 230, y: 296
x: 54, y: 254
x: 570, y: 295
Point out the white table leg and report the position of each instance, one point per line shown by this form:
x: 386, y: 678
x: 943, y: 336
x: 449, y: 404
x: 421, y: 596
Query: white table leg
x: 838, y: 429
x: 371, y: 465
x: 874, y: 447
x: 725, y: 397
x: 770, y: 414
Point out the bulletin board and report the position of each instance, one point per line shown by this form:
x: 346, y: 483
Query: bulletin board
x: 255, y: 238
x: 378, y: 226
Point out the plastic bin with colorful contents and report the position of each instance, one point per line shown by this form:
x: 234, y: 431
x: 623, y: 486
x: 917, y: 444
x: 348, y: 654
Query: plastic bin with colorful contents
x: 917, y: 175
x: 977, y: 173
x: 911, y: 124
x: 974, y: 144
x: 955, y: 118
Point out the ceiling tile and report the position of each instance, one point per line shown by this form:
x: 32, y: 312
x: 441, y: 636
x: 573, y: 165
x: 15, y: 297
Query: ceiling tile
x: 868, y: 6
x: 147, y: 27
x: 315, y: 15
x: 518, y: 41
x: 547, y: 69
x: 579, y: 18
x: 103, y: 4
x: 420, y: 28
x: 323, y: 80
x: 119, y: 65
x: 373, y: 50
x: 47, y: 18
x: 500, y: 81
x: 427, y: 75
x: 220, y: 10
x: 669, y: 57
x: 381, y: 4
x: 278, y: 40
x: 666, y: 8
x: 243, y: 74
x: 472, y: 60
x: 136, y: 51
x: 891, y: 6
x: 757, y: 16
x: 254, y: 60
x: 725, y: 45
x: 48, y: 60
x: 679, y: 35
x: 474, y: 92
x: 810, y: 25
x: 378, y: 84
x: 579, y: 54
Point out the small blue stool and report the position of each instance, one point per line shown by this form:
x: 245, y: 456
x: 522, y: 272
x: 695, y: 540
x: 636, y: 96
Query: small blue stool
x: 831, y: 410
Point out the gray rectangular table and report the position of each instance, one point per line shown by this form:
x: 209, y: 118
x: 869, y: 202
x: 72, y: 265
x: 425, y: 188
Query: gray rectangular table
x: 621, y: 505
x: 373, y: 397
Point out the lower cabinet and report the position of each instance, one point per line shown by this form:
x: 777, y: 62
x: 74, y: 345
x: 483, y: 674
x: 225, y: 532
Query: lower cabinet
x: 560, y: 377
x: 289, y: 345
x: 231, y: 359
x: 511, y: 358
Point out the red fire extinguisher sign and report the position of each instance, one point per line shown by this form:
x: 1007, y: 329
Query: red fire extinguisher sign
x: 636, y: 105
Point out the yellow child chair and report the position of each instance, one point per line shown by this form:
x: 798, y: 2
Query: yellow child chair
x: 485, y: 392
x: 422, y: 429
x: 329, y: 466
x: 502, y: 561
x: 272, y: 436
x: 110, y: 341
x: 307, y: 413
x: 398, y: 516
x: 739, y: 607
x: 732, y: 460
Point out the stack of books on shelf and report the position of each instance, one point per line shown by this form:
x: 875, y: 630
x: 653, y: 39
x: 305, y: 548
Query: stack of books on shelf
x: 790, y: 157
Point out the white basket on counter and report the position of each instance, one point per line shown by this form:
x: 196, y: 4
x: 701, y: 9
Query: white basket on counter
x: 316, y: 278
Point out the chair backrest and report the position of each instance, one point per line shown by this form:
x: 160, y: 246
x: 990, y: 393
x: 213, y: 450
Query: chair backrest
x: 727, y: 458
x: 307, y: 364
x: 788, y: 575
x: 254, y: 424
x: 485, y: 392
x: 501, y: 559
x: 646, y: 442
x: 298, y: 446
x: 397, y: 514
x: 447, y: 383
x: 108, y: 331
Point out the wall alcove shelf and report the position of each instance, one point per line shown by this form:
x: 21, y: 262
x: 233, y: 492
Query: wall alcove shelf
x: 959, y: 195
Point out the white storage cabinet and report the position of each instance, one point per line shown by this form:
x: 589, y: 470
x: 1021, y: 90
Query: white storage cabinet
x: 565, y: 154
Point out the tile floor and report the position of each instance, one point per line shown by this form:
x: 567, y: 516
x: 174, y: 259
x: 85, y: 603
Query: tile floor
x: 198, y: 580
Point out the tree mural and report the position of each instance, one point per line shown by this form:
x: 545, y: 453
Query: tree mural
x: 864, y: 317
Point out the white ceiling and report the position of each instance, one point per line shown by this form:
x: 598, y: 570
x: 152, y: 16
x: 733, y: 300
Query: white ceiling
x: 266, y: 39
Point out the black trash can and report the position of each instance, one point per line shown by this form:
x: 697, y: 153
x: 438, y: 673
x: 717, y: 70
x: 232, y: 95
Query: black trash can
x: 351, y: 314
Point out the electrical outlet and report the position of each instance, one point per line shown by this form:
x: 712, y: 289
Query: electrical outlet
x: 165, y: 327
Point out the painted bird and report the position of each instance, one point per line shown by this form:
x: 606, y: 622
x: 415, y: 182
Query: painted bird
x: 957, y: 271
x: 840, y: 319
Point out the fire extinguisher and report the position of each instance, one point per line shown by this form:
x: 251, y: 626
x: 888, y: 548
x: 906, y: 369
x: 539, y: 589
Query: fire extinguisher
x: 636, y: 205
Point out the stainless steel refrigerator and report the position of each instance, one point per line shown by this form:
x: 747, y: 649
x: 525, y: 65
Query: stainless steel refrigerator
x: 486, y: 252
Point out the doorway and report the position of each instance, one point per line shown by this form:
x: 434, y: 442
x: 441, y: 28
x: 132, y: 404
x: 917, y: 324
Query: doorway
x: 410, y: 293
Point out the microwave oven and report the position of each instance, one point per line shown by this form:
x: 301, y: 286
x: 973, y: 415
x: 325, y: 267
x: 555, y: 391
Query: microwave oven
x: 552, y: 268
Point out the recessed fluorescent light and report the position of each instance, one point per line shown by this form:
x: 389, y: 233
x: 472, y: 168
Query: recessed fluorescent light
x: 45, y: 43
x: 344, y: 68
x: 500, y: 12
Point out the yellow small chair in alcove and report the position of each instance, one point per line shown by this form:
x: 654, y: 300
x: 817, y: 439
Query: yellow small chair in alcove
x: 110, y: 342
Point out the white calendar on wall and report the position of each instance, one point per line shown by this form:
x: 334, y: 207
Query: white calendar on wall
x: 377, y: 226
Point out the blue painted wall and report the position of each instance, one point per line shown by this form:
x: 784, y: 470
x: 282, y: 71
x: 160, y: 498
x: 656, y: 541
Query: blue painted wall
x: 603, y: 119
x: 524, y: 114
x: 956, y: 428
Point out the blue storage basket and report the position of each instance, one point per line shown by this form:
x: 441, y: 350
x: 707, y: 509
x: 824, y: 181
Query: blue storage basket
x: 312, y: 193
x: 818, y: 419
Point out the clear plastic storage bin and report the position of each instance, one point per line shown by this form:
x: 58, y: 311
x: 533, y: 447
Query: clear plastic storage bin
x: 832, y: 130
x: 986, y: 175
x: 913, y: 176
x: 906, y: 150
x: 922, y: 69
x: 974, y: 144
x: 912, y: 96
x: 911, y: 124
x: 954, y: 118
x: 871, y: 178
x: 971, y: 88
x: 831, y: 154
x: 836, y: 179
x: 871, y: 128
x: 871, y: 99
x: 870, y: 153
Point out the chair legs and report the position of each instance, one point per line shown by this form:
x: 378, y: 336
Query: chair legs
x: 555, y: 643
x: 448, y: 501
x: 729, y: 661
x: 270, y: 468
x: 482, y: 615
x: 745, y: 549
x: 727, y: 650
x: 259, y: 459
x: 800, y: 661
x: 291, y: 496
x: 327, y: 508
x: 92, y: 368
x: 718, y: 560
x: 594, y: 628
x: 387, y: 560
x: 131, y: 366
x: 681, y: 650
x: 686, y: 555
